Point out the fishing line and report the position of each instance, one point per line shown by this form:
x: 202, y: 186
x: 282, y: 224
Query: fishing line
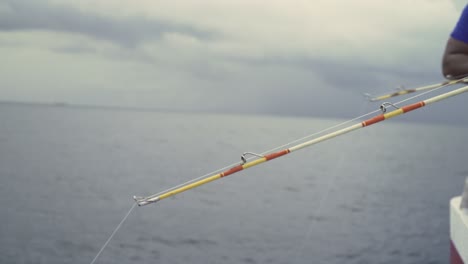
x: 290, y: 143
x: 265, y: 152
x: 333, y: 179
x: 423, y: 93
x: 276, y: 148
x: 328, y: 189
x: 415, y: 90
x: 113, y: 233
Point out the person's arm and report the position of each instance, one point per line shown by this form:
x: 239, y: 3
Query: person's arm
x: 455, y: 59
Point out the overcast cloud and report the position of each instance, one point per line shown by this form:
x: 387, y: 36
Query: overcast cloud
x: 130, y: 31
x: 295, y: 57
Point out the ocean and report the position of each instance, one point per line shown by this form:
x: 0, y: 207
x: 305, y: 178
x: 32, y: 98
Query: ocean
x: 377, y: 195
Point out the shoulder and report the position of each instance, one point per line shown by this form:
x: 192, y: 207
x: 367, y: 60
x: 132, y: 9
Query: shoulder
x: 460, y: 32
x: 454, y: 61
x: 455, y: 45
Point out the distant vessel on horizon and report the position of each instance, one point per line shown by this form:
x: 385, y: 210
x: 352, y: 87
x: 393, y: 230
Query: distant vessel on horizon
x: 60, y: 104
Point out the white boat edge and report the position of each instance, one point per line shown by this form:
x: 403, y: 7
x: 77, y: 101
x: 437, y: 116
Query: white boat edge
x: 458, y: 231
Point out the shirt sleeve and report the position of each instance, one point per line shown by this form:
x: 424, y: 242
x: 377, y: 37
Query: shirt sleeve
x: 461, y: 29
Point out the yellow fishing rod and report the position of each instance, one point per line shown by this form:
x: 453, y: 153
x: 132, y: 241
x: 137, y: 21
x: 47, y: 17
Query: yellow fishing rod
x: 258, y: 159
x: 419, y: 89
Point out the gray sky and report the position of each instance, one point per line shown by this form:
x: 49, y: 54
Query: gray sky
x: 298, y: 57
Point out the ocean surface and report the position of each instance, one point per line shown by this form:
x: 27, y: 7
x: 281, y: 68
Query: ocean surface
x: 376, y: 195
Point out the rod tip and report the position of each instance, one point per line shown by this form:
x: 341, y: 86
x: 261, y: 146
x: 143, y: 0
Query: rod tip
x: 141, y: 201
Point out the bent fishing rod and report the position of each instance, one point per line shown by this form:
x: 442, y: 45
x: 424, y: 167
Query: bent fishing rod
x: 414, y: 90
x: 258, y: 159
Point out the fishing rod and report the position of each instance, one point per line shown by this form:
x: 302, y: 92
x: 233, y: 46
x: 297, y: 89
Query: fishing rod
x: 419, y: 89
x: 258, y: 159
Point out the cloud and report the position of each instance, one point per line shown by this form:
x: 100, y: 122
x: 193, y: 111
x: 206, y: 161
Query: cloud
x: 371, y: 31
x: 23, y: 15
x: 459, y: 4
x: 243, y: 55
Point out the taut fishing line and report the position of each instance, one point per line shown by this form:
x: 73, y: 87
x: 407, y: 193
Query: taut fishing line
x: 113, y: 234
x: 324, y: 197
x: 265, y: 152
x: 333, y: 179
x: 295, y: 141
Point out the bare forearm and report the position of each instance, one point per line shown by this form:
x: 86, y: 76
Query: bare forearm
x: 455, y: 59
x: 455, y: 65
